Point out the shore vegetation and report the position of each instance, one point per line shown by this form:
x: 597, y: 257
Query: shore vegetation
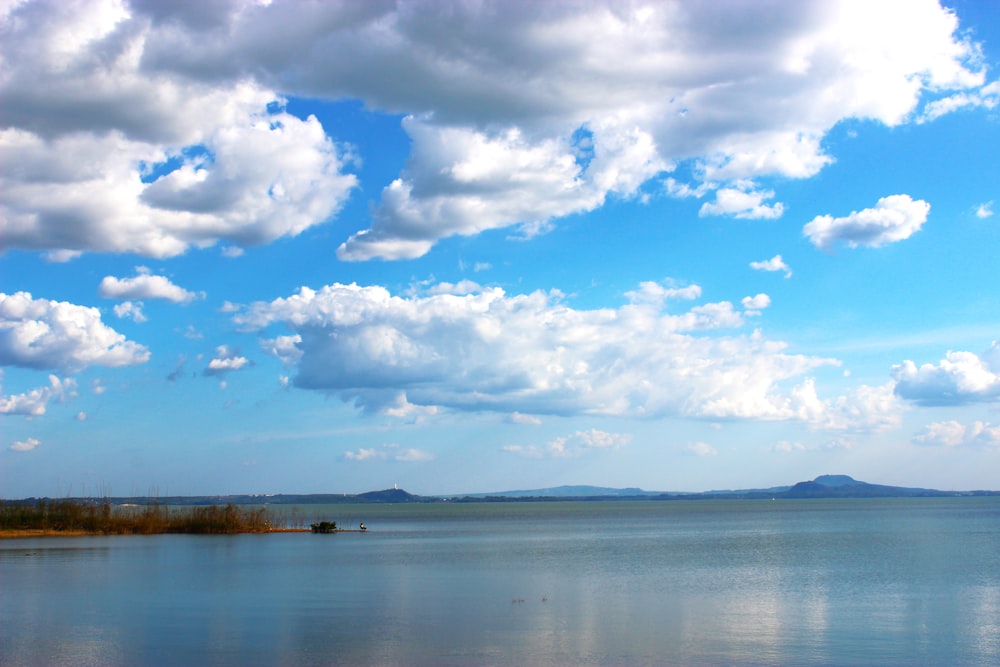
x: 101, y: 517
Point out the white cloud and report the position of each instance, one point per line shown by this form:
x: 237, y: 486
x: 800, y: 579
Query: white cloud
x: 461, y: 287
x: 462, y: 181
x: 392, y: 451
x: 535, y: 355
x: 226, y: 360
x: 702, y: 449
x: 34, y: 402
x: 519, y: 418
x: 284, y: 348
x: 679, y: 190
x: 131, y: 310
x: 270, y: 176
x: 788, y: 446
x: 145, y: 286
x: 754, y: 304
x: 574, y: 445
x: 959, y: 378
x: 519, y: 113
x: 364, y: 454
x: 984, y: 210
x: 776, y: 263
x: 116, y: 157
x: 986, y: 97
x: 743, y: 202
x: 955, y: 434
x: 842, y: 442
x: 893, y: 218
x: 652, y: 292
x: 863, y: 409
x: 25, y: 445
x: 413, y: 456
x: 43, y: 334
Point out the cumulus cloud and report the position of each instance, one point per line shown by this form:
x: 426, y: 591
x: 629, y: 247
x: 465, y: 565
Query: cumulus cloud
x: 776, y: 263
x: 863, y: 409
x: 743, y: 202
x: 56, y: 335
x: 145, y: 286
x: 893, y: 218
x: 462, y: 181
x: 35, y: 401
x: 752, y: 305
x: 226, y: 360
x: 959, y: 378
x: 113, y: 156
x: 535, y: 355
x: 25, y: 445
x: 131, y: 310
x: 284, y: 348
x: 153, y: 128
x: 571, y: 446
x: 984, y: 210
x: 955, y: 434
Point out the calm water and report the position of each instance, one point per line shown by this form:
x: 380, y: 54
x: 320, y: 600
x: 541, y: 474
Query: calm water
x: 847, y: 582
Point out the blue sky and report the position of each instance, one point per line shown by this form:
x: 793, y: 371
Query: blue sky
x: 299, y: 248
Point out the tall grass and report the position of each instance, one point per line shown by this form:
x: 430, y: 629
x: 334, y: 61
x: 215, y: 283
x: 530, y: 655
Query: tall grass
x: 101, y: 517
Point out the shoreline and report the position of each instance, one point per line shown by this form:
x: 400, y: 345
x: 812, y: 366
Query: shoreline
x: 47, y: 532
x: 22, y: 533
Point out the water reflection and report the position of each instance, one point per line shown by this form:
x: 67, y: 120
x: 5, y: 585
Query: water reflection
x: 634, y: 583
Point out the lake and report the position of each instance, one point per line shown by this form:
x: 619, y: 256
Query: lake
x: 802, y: 582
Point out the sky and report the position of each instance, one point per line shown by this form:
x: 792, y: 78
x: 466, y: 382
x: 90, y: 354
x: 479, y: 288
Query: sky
x: 332, y: 247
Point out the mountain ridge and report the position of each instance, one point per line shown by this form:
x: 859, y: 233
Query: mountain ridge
x: 824, y: 486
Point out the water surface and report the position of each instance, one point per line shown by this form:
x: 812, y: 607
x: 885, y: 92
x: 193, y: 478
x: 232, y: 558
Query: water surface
x: 805, y: 582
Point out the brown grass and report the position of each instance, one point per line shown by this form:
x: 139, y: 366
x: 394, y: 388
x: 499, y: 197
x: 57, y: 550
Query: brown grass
x: 83, y: 517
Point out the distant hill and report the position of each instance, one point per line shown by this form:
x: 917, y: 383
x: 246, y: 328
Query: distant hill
x: 568, y: 492
x: 837, y: 486
x: 843, y: 486
x: 824, y: 486
x: 387, y: 496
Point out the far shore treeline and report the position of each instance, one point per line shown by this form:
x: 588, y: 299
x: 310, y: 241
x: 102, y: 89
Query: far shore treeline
x: 220, y: 515
x: 824, y: 486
